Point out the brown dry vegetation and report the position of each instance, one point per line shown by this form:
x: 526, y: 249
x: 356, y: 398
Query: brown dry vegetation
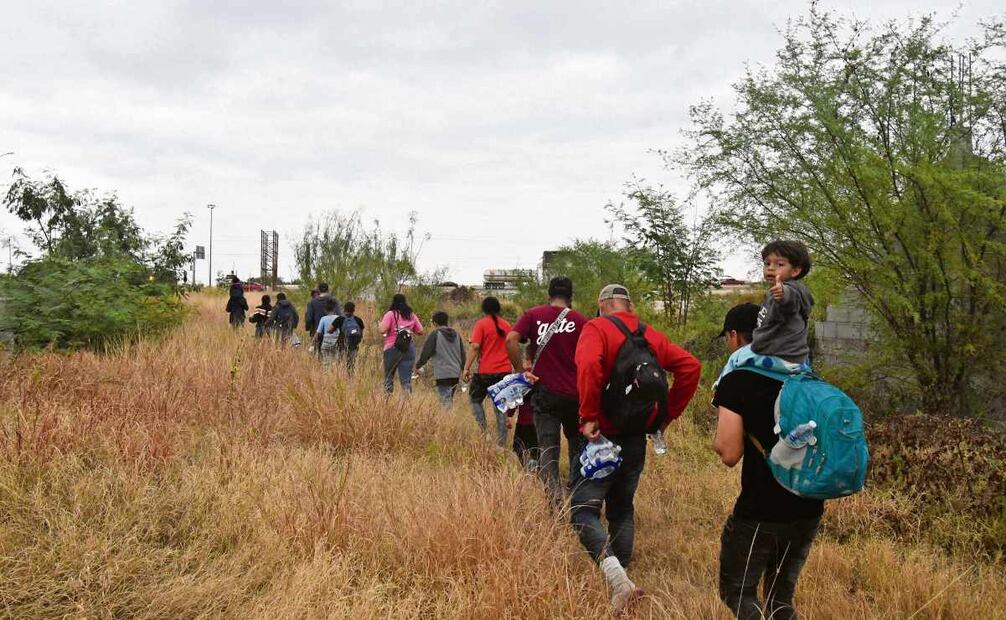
x: 212, y: 475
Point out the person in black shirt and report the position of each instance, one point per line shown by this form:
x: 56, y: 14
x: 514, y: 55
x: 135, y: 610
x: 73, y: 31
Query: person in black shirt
x: 771, y: 529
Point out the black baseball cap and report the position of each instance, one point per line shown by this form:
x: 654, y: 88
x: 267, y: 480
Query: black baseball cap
x: 742, y: 318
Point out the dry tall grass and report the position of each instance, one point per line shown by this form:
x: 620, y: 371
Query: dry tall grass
x: 212, y: 475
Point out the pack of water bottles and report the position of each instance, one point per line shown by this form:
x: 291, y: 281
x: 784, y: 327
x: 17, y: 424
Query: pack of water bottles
x: 509, y: 392
x: 600, y: 458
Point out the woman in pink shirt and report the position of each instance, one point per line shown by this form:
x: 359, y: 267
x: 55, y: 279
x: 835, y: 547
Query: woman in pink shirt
x: 399, y: 351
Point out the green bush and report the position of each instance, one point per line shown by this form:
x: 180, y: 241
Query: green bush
x: 87, y: 303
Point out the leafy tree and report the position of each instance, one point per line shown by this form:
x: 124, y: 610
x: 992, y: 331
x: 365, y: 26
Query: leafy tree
x: 360, y: 261
x: 681, y: 260
x: 99, y: 278
x: 883, y: 149
x: 591, y: 265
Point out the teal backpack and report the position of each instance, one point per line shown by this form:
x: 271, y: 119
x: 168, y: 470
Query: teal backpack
x: 833, y: 464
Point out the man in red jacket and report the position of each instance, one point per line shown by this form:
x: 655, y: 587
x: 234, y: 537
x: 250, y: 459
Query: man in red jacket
x: 595, y: 358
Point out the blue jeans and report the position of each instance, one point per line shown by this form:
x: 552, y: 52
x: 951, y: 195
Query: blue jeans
x: 616, y: 493
x: 751, y: 549
x: 395, y: 360
x: 480, y: 416
x: 446, y: 395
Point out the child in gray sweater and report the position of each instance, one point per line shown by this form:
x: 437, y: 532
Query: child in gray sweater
x: 785, y: 311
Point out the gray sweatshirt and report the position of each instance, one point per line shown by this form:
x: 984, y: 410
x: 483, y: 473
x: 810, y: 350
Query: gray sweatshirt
x: 782, y: 325
x: 445, y: 348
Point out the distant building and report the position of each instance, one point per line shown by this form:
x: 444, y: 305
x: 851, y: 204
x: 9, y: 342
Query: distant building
x: 505, y: 280
x: 548, y: 258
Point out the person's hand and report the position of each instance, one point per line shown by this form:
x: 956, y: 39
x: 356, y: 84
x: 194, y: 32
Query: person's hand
x: 532, y: 379
x: 509, y: 420
x: 590, y: 430
x: 778, y: 289
x: 467, y: 376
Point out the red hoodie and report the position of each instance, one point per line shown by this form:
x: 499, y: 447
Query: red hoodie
x: 595, y: 358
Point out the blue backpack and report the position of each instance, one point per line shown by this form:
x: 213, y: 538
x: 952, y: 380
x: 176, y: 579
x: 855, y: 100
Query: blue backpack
x: 834, y: 463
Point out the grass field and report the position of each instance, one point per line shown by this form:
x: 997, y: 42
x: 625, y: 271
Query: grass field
x: 208, y: 474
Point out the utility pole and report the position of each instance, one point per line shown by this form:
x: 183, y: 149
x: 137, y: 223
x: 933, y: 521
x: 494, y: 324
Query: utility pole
x: 209, y: 282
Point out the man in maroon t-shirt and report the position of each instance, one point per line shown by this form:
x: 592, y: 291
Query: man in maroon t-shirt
x: 554, y: 402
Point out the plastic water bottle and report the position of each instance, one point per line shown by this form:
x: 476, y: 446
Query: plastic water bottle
x: 801, y: 436
x: 509, y: 392
x: 659, y: 443
x: 600, y: 458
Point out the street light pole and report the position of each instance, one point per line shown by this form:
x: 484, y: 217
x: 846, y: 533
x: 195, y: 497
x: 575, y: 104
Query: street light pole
x: 209, y: 282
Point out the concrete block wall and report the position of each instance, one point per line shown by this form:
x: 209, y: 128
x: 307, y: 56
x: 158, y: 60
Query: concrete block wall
x: 845, y: 335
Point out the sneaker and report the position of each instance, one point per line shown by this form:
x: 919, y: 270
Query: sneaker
x: 624, y: 598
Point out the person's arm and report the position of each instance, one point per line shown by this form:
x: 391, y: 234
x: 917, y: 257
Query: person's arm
x: 467, y: 374
x: 686, y: 371
x: 461, y: 343
x: 429, y: 348
x: 244, y: 304
x: 590, y: 378
x: 419, y: 325
x: 729, y: 439
x: 385, y: 324
x: 296, y: 318
x: 336, y: 325
x: 514, y: 351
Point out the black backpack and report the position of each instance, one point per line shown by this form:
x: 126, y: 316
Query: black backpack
x: 403, y: 337
x: 352, y: 332
x: 635, y: 398
x: 283, y: 317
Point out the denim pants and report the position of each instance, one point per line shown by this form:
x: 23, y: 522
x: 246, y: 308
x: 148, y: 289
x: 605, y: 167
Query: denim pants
x: 477, y: 395
x: 554, y: 413
x: 395, y: 360
x: 525, y: 445
x: 753, y: 549
x: 616, y: 493
x: 446, y: 394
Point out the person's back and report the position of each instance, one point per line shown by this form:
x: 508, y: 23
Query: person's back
x: 445, y: 350
x: 551, y: 332
x: 316, y: 308
x: 284, y: 317
x: 597, y: 353
x: 237, y: 305
x: 784, y: 318
x: 771, y: 529
x: 488, y: 346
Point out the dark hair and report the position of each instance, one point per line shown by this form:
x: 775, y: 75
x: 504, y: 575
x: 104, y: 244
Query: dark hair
x: 329, y: 305
x: 561, y: 287
x: 793, y: 251
x: 323, y: 287
x: 349, y: 307
x: 491, y: 306
x: 266, y: 299
x: 314, y: 293
x: 280, y: 296
x: 399, y: 305
x: 440, y: 318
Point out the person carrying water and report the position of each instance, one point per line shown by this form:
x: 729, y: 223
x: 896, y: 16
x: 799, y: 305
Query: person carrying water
x: 552, y: 331
x: 399, y: 326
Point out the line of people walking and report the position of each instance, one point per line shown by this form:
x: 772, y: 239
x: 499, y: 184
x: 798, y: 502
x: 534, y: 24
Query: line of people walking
x: 602, y: 384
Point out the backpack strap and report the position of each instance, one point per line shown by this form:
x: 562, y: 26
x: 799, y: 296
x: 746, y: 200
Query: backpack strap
x: 622, y: 327
x: 554, y: 327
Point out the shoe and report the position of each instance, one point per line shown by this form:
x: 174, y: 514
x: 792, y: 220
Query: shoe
x: 624, y: 598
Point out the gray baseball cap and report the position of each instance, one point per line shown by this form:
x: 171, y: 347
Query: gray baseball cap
x: 614, y: 291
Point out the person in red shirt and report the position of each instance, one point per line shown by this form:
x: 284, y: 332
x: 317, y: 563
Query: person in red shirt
x: 553, y: 400
x: 595, y: 358
x: 489, y: 348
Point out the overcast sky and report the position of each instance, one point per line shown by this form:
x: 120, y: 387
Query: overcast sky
x: 507, y: 126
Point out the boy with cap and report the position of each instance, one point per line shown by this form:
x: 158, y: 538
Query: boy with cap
x: 596, y: 353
